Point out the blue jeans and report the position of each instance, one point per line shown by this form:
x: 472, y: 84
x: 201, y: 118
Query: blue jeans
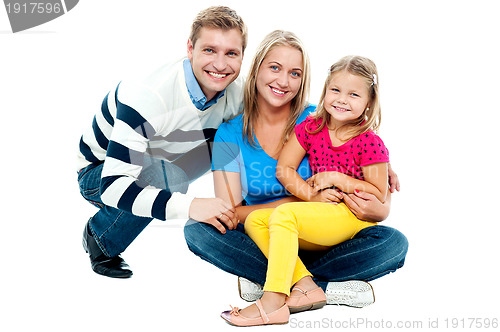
x: 372, y: 253
x: 114, y: 229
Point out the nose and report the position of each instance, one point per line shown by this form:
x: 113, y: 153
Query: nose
x: 220, y: 62
x: 282, y: 79
x: 342, y: 99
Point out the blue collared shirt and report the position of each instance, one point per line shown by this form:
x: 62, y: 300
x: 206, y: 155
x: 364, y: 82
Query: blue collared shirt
x: 197, y: 96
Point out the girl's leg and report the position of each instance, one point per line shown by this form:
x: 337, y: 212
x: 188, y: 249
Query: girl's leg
x: 291, y: 222
x: 276, y: 233
x: 257, y: 228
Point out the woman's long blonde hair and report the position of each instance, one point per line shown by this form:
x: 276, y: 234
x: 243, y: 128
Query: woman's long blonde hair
x: 250, y: 114
x: 371, y: 117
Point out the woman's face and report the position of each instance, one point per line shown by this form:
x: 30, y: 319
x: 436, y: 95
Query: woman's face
x: 279, y: 76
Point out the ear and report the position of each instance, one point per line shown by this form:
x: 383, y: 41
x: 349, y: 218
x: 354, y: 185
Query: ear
x: 190, y: 48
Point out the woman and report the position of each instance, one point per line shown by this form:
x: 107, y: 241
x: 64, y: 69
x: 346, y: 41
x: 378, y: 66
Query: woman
x: 245, y: 155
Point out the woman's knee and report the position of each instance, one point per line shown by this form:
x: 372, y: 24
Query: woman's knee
x: 194, y: 235
x: 393, y: 244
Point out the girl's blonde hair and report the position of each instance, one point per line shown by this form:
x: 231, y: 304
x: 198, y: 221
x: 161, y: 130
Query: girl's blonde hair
x: 299, y: 102
x: 370, y: 119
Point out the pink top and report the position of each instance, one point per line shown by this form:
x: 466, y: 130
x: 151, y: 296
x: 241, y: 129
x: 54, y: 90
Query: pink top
x: 362, y: 150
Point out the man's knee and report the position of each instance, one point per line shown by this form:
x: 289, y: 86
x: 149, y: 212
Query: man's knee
x: 164, y: 175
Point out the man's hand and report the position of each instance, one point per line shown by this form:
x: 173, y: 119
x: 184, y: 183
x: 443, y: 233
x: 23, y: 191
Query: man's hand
x: 214, y: 211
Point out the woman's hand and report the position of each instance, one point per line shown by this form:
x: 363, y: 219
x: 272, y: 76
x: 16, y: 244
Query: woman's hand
x: 367, y: 207
x: 393, y: 180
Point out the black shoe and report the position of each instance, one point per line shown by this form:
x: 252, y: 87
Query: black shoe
x: 113, y: 267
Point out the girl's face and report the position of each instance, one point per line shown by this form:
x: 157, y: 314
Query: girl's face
x: 279, y: 76
x: 346, y: 98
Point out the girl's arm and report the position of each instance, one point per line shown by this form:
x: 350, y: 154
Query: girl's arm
x: 286, y: 171
x: 233, y: 194
x: 375, y: 183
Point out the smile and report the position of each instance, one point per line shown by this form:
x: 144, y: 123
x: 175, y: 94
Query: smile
x: 216, y: 75
x: 277, y: 91
x: 340, y: 109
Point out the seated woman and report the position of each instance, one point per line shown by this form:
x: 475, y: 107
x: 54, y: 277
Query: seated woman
x: 245, y: 156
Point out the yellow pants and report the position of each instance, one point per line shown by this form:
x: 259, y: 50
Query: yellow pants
x: 311, y: 226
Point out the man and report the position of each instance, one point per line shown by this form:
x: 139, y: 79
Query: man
x: 150, y: 140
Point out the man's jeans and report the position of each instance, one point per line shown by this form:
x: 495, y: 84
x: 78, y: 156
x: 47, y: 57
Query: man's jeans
x: 372, y: 253
x: 114, y: 229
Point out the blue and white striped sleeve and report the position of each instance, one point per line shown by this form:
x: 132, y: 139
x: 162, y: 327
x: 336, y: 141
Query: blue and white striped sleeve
x: 124, y: 162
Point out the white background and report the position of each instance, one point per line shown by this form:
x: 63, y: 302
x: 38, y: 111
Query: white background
x: 439, y: 78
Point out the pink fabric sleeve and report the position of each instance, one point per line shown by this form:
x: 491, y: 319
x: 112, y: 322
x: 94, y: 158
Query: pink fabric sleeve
x: 374, y: 150
x: 302, y: 136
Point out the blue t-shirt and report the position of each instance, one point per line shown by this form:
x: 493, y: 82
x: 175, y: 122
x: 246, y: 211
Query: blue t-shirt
x: 233, y: 153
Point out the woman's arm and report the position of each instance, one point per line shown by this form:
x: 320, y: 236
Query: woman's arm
x: 244, y: 211
x: 228, y: 187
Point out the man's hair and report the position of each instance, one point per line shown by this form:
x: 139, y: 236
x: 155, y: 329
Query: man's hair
x: 218, y: 17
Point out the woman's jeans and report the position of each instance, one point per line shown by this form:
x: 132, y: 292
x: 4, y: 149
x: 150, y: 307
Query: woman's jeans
x: 375, y: 251
x: 114, y: 229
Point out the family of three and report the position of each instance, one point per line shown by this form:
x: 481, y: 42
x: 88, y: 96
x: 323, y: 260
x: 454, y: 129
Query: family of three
x: 299, y: 189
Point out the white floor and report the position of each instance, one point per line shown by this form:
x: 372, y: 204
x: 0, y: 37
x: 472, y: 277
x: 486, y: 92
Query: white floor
x: 438, y: 69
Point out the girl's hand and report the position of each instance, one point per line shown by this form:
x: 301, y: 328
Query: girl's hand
x: 321, y: 181
x: 327, y: 196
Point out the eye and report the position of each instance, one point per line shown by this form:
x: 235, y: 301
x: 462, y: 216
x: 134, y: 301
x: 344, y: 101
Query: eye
x: 335, y: 90
x: 273, y: 67
x: 208, y: 50
x: 232, y: 54
x: 354, y: 94
x: 295, y: 74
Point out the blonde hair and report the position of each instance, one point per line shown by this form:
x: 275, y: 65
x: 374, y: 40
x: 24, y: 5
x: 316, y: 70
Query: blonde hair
x: 371, y: 117
x: 218, y: 17
x: 271, y: 41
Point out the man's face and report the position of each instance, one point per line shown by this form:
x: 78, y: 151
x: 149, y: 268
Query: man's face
x: 216, y: 59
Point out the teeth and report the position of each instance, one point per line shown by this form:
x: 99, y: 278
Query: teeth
x: 278, y: 91
x: 216, y: 75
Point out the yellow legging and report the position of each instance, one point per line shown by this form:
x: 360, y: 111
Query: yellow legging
x: 312, y: 226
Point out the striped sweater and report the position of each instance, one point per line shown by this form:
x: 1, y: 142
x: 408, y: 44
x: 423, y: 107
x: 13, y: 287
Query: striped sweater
x: 151, y: 116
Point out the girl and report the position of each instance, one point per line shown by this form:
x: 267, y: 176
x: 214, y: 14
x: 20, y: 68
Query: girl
x: 345, y: 153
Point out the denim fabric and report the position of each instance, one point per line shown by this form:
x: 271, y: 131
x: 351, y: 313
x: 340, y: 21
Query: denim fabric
x: 372, y: 253
x: 114, y: 229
